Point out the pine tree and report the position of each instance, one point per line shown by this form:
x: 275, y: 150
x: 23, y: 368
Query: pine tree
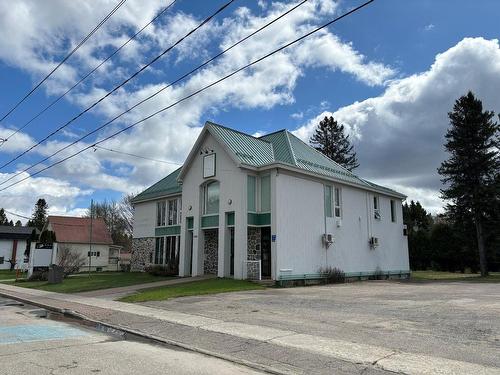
x: 330, y: 139
x: 39, y: 216
x: 470, y: 172
x: 3, y: 217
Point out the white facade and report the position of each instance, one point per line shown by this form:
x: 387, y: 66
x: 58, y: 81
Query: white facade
x: 6, y: 247
x: 285, y: 223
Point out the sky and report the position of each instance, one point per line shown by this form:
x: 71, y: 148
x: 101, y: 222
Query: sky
x: 389, y: 72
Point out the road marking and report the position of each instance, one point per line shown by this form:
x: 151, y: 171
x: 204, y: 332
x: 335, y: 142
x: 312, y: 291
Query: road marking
x: 37, y: 332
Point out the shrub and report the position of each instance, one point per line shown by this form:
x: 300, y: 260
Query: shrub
x: 125, y: 267
x: 333, y: 275
x: 39, y: 276
x: 158, y: 270
x: 70, y: 260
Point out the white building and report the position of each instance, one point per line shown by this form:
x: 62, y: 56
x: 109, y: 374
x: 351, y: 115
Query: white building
x: 91, y: 240
x: 14, y: 245
x: 240, y: 203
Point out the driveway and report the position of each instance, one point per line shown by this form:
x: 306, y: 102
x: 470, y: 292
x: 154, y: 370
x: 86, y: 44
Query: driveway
x: 457, y: 321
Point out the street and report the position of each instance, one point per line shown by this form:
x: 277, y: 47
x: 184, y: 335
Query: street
x: 35, y: 345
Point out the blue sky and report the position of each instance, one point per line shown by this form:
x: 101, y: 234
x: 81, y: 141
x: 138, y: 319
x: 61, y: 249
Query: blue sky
x: 389, y: 72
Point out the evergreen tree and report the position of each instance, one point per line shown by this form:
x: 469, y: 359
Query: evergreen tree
x: 39, y: 216
x: 18, y: 223
x: 470, y: 172
x: 330, y: 139
x: 3, y: 217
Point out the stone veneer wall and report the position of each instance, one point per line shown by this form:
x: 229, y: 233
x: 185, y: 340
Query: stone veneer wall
x: 253, y: 252
x: 211, y: 251
x: 142, y: 248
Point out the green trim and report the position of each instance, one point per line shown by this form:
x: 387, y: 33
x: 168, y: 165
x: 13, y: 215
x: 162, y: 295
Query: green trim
x: 190, y: 222
x: 209, y: 221
x: 168, y: 231
x: 259, y: 219
x: 230, y: 219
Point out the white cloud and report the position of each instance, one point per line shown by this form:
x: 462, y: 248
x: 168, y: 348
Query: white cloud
x: 429, y: 27
x: 399, y: 135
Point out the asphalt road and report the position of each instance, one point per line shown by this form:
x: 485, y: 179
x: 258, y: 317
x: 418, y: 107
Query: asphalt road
x: 30, y: 344
x: 426, y: 325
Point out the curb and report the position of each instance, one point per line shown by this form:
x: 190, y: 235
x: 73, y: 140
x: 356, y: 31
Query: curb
x: 155, y: 339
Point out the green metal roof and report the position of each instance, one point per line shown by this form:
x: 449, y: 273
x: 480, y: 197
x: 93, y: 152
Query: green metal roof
x: 166, y: 186
x: 249, y: 150
x: 278, y: 147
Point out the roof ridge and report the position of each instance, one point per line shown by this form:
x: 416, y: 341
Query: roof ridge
x: 292, y: 151
x: 236, y: 131
x: 274, y: 132
x: 324, y: 156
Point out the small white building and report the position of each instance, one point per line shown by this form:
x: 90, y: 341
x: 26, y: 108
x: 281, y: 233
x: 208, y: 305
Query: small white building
x: 91, y: 240
x: 14, y: 245
x: 244, y: 205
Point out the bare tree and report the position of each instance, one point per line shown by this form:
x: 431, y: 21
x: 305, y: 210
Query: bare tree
x: 70, y: 260
x: 126, y: 209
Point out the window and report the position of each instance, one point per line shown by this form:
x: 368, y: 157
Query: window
x: 376, y: 208
x: 211, y: 198
x: 2, y: 260
x: 328, y: 201
x: 172, y: 212
x: 265, y: 193
x: 93, y: 253
x: 160, y: 213
x: 251, y: 190
x: 160, y: 242
x: 209, y: 166
x: 338, y: 202
x: 393, y: 210
x: 171, y: 249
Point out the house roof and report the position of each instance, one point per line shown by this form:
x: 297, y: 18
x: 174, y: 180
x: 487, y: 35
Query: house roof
x: 15, y: 233
x: 70, y: 229
x: 166, y: 186
x: 281, y: 147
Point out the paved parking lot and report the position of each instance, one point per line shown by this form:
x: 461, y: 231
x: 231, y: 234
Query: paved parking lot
x: 452, y: 321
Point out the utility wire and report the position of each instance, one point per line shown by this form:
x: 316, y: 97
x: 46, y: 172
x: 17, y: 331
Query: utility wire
x: 144, y: 67
x: 13, y: 213
x: 2, y: 141
x: 194, y: 93
x: 63, y: 60
x: 137, y: 156
x: 155, y: 93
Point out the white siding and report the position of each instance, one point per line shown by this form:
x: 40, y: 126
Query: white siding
x: 83, y: 249
x: 6, y: 252
x: 300, y: 224
x: 144, y: 219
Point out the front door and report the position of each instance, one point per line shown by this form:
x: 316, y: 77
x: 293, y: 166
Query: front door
x: 265, y: 245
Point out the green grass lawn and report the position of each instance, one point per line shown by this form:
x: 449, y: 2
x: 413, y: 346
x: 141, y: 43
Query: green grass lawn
x: 84, y: 283
x: 210, y: 286
x: 7, y: 274
x: 494, y: 277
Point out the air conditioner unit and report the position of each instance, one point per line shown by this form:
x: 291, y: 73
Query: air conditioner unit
x: 373, y: 242
x: 328, y: 239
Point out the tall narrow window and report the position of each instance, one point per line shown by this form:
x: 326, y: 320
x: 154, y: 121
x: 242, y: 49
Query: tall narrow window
x: 376, y: 207
x: 338, y: 202
x: 251, y: 189
x: 171, y: 250
x: 159, y: 249
x: 172, y: 212
x: 211, y: 198
x: 265, y: 193
x: 160, y: 213
x: 328, y: 201
x: 393, y: 210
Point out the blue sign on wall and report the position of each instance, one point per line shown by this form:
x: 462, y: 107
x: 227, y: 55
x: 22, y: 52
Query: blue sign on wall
x: 273, y: 238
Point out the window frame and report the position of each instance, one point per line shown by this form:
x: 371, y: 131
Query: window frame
x: 161, y: 213
x: 205, y: 197
x: 376, y: 208
x: 394, y: 216
x: 337, y: 203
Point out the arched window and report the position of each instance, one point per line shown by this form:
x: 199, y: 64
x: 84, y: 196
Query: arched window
x: 211, y: 198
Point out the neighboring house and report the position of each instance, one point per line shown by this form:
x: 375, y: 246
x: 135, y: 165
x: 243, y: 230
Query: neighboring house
x: 92, y: 243
x: 242, y: 203
x: 14, y: 243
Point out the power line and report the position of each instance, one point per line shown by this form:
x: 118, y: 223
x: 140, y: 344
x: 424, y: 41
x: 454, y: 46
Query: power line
x: 2, y: 141
x: 144, y: 67
x: 64, y: 59
x: 13, y: 213
x: 195, y: 92
x: 155, y: 93
x: 137, y: 156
